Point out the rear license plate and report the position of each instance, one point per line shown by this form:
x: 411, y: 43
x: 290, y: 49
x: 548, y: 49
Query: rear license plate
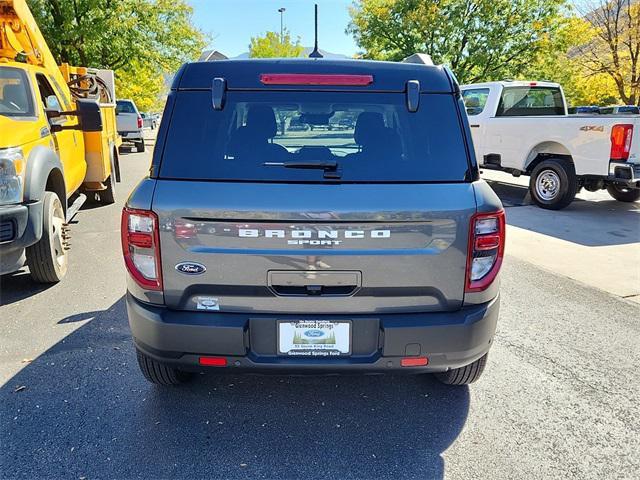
x: 314, y: 338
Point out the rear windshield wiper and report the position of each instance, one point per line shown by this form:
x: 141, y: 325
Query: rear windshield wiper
x: 330, y: 167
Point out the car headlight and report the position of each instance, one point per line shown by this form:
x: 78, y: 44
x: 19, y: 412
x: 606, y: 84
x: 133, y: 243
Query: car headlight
x: 11, y: 173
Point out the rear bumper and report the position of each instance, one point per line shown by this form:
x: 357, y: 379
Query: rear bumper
x: 627, y: 174
x: 21, y: 227
x: 131, y: 136
x: 248, y: 342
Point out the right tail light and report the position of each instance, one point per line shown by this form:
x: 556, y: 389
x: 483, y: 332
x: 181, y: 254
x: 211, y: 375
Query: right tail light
x: 141, y: 247
x: 486, y: 250
x: 621, y: 141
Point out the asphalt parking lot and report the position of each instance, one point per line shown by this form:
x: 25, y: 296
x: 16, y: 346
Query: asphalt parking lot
x: 559, y: 398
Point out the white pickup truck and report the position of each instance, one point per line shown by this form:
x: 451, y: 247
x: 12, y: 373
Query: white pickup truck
x: 523, y: 128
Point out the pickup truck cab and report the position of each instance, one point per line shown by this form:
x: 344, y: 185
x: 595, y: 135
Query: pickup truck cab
x: 373, y: 248
x: 523, y: 128
x: 130, y: 123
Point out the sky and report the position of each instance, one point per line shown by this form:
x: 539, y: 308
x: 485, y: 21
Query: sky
x: 232, y: 23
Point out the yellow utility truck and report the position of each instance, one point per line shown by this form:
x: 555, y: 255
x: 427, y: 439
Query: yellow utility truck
x: 58, y: 144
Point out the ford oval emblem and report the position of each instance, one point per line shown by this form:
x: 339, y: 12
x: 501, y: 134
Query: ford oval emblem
x: 191, y: 268
x: 314, y: 333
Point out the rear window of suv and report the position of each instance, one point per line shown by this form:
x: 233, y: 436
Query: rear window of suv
x: 260, y: 136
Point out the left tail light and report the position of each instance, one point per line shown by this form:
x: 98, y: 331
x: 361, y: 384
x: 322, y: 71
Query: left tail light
x: 141, y: 247
x: 621, y: 135
x: 139, y: 122
x: 486, y: 250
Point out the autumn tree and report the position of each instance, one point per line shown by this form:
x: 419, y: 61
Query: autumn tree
x: 271, y: 45
x: 478, y: 39
x: 140, y: 39
x: 614, y: 49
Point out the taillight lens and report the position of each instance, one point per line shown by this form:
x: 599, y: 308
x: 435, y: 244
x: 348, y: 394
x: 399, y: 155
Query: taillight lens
x: 316, y: 79
x: 139, y: 122
x: 141, y: 247
x: 621, y: 141
x: 486, y: 250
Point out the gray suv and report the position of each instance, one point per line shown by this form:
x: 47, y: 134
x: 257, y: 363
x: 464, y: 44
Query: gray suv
x: 258, y: 245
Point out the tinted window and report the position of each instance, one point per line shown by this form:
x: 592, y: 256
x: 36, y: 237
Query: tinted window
x: 371, y: 137
x: 475, y: 100
x: 629, y: 109
x: 15, y: 95
x: 530, y: 101
x: 124, y: 106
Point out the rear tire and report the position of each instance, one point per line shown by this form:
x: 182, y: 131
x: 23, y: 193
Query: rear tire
x: 159, y: 373
x: 623, y: 194
x: 464, y: 375
x: 553, y: 184
x: 140, y: 146
x: 48, y: 258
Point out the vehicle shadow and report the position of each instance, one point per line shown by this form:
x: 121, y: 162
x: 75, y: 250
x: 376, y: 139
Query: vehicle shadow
x: 17, y: 286
x: 82, y: 409
x: 585, y: 222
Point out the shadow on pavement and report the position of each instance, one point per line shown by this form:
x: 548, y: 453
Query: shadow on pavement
x: 18, y: 286
x: 86, y: 411
x: 588, y: 223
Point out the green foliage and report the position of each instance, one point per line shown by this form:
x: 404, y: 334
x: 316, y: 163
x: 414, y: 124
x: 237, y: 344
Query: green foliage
x: 560, y: 60
x: 270, y: 46
x: 144, y: 36
x: 478, y: 39
x: 141, y: 83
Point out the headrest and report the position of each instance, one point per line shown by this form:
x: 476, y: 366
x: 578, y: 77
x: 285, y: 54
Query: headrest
x: 368, y: 126
x: 261, y: 121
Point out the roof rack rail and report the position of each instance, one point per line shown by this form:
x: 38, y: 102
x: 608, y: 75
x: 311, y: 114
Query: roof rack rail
x: 420, y: 58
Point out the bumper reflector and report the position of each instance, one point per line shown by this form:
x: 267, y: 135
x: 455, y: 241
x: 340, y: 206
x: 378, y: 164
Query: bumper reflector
x: 414, y: 361
x: 213, y: 361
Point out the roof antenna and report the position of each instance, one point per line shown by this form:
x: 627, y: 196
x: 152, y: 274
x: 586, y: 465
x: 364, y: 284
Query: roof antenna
x: 316, y: 53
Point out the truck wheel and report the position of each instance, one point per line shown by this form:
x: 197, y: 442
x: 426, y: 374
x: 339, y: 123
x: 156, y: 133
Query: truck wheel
x: 553, y: 184
x: 48, y: 259
x: 140, y: 146
x: 464, y: 375
x: 159, y: 373
x: 623, y: 194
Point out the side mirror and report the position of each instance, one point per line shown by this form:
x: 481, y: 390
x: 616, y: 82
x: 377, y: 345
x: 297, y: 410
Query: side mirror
x: 90, y: 116
x: 88, y: 113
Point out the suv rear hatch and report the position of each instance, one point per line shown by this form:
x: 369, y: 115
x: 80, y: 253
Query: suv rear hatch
x: 317, y: 201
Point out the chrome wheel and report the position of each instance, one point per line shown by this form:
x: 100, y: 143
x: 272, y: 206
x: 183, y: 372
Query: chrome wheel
x: 548, y: 185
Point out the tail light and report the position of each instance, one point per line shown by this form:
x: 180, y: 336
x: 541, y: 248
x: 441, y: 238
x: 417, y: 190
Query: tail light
x: 486, y: 250
x: 316, y: 79
x: 139, y: 122
x: 141, y: 247
x: 621, y: 141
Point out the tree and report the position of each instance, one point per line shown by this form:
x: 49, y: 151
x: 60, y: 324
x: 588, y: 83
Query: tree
x: 478, y: 39
x: 271, y: 46
x: 143, y: 84
x: 133, y: 37
x: 558, y: 60
x: 614, y: 49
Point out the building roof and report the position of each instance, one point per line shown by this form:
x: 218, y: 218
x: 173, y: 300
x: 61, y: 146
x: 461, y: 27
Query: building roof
x: 211, y: 55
